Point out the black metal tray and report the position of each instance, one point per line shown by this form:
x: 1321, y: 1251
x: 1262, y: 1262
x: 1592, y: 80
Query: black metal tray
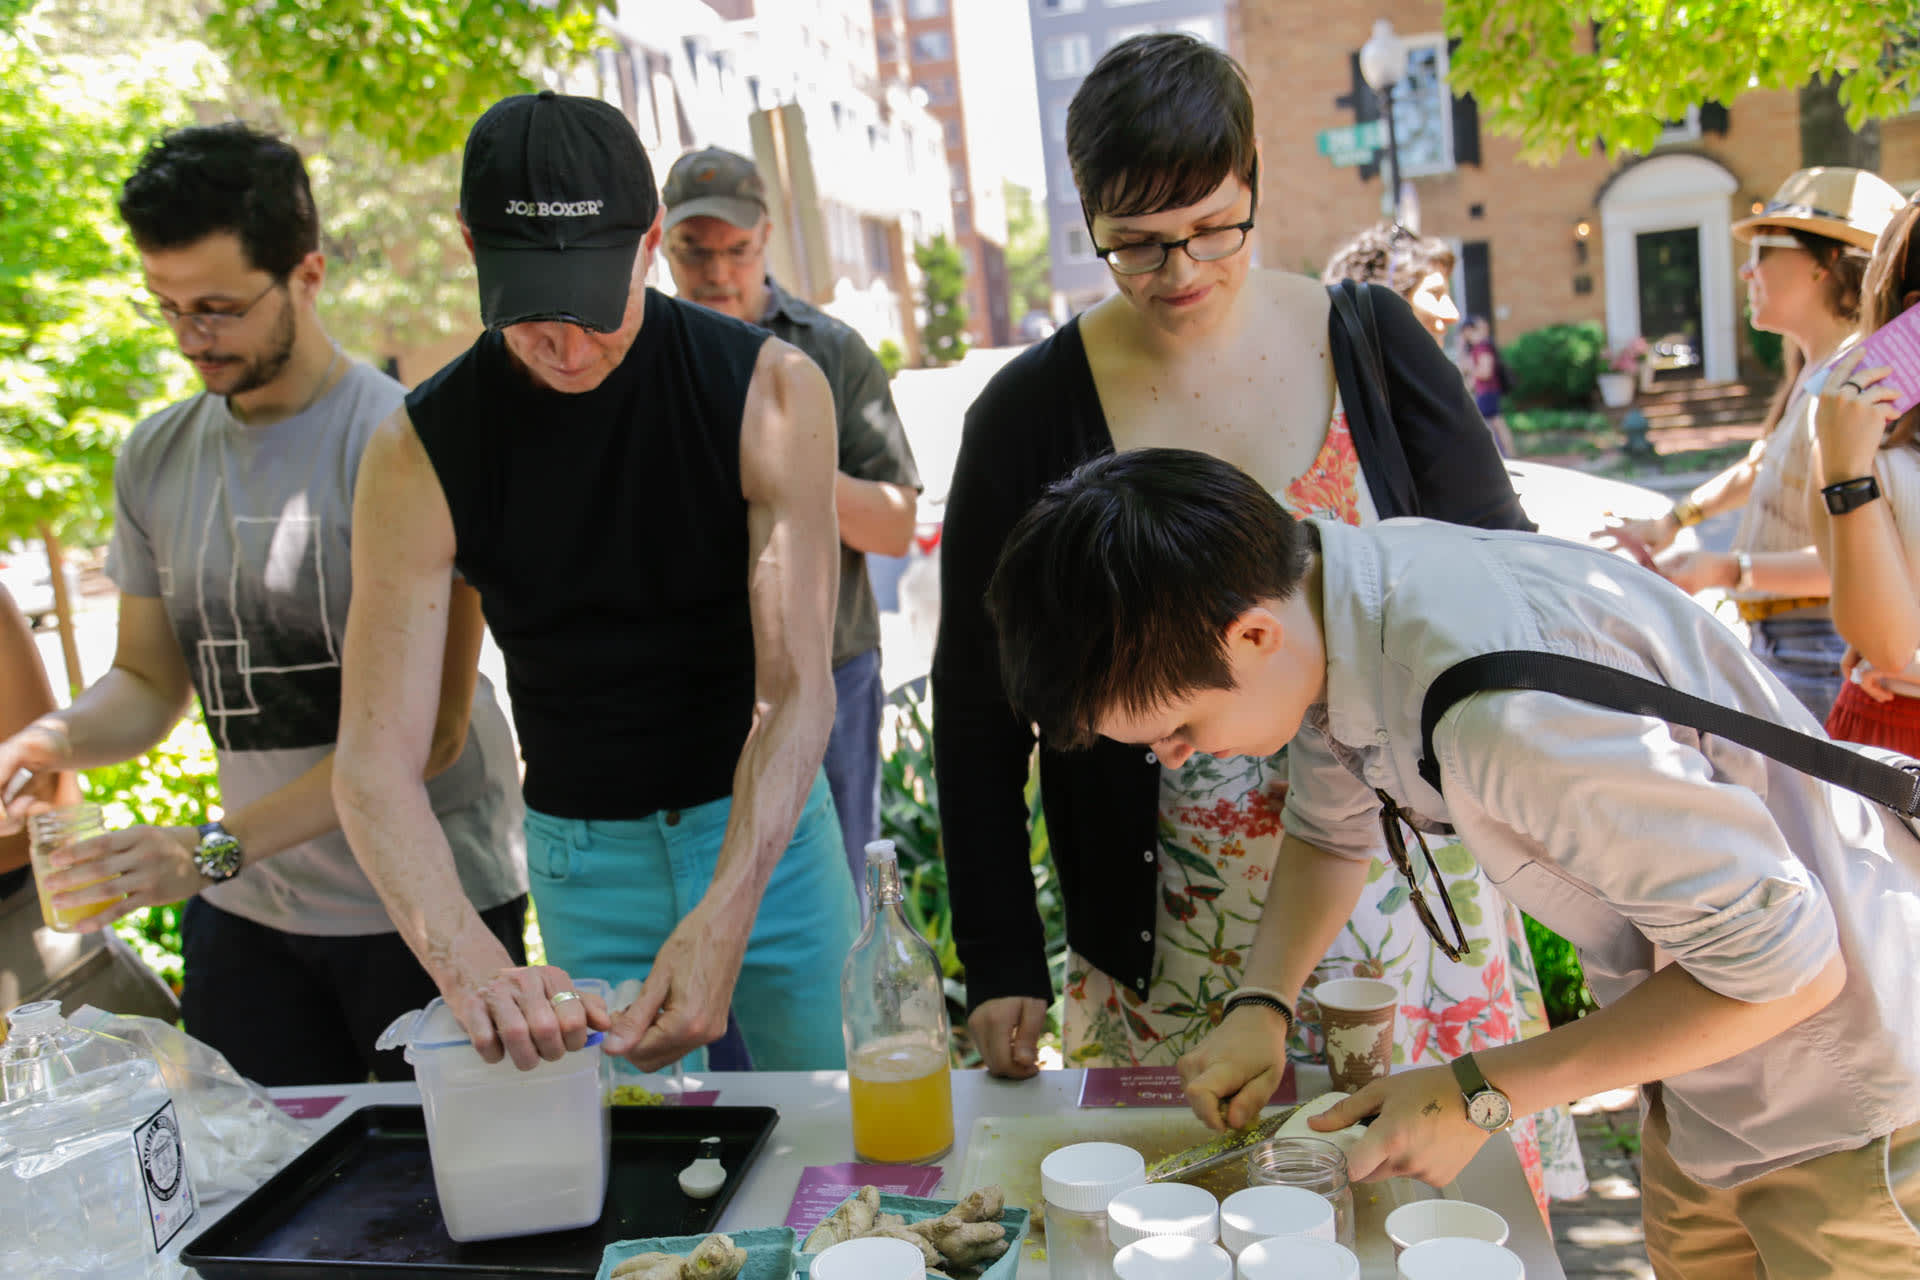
x: 360, y: 1201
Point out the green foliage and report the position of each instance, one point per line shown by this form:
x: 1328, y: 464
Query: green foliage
x: 1767, y: 347
x: 1557, y: 421
x: 409, y: 77
x: 1556, y: 74
x: 1558, y: 365
x: 78, y: 366
x: 1029, y: 259
x: 1563, y: 984
x: 891, y: 357
x: 943, y: 289
x: 175, y: 784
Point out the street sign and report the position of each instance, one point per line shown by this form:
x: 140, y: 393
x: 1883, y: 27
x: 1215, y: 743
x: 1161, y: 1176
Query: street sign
x: 1352, y: 145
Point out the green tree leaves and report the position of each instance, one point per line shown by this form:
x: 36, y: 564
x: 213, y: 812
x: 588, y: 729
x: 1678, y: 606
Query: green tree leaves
x: 943, y: 333
x: 1556, y: 74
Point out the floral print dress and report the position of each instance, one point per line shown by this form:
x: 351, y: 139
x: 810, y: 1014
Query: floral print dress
x: 1219, y: 836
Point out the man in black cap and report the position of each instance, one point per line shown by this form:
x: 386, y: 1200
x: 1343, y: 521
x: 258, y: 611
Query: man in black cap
x: 641, y: 490
x: 716, y: 243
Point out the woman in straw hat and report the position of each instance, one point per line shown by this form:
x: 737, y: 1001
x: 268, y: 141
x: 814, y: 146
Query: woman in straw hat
x: 1808, y: 250
x: 1867, y: 514
x: 1163, y: 870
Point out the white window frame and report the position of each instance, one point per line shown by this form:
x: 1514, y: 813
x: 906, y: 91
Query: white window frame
x: 913, y: 44
x: 1437, y: 42
x: 1071, y: 237
x: 1063, y: 68
x: 1686, y: 129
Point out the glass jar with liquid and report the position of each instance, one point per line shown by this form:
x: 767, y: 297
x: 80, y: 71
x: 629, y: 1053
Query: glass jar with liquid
x: 55, y: 830
x: 893, y: 1009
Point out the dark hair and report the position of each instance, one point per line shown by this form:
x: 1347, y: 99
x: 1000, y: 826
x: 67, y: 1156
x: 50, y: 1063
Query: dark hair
x: 1893, y: 273
x: 1114, y: 592
x: 196, y: 181
x: 1159, y: 123
x: 1846, y: 270
x: 1389, y: 254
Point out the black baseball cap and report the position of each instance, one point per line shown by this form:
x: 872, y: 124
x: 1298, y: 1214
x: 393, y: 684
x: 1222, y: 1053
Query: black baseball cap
x: 557, y: 193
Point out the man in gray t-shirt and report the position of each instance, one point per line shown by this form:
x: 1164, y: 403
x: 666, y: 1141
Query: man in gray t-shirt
x: 231, y: 550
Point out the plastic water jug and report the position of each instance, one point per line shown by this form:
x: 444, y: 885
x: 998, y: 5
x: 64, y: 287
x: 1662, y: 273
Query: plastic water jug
x: 93, y: 1178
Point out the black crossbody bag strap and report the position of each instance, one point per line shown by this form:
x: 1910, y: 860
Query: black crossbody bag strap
x: 1898, y: 789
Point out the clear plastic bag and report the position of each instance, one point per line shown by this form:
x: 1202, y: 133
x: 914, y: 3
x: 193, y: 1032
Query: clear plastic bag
x: 234, y: 1135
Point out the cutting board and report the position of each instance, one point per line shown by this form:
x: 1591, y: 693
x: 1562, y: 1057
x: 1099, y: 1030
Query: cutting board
x: 1008, y: 1150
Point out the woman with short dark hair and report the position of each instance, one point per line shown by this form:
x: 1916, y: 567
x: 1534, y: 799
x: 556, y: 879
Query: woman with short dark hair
x: 1335, y: 399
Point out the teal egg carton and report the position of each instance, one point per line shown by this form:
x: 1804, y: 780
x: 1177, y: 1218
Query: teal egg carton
x: 917, y: 1208
x: 770, y: 1251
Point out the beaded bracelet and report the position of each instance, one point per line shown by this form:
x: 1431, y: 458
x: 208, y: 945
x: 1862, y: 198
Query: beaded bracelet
x: 1262, y: 999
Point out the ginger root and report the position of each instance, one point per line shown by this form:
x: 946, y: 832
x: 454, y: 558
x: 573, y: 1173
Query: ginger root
x: 850, y: 1221
x: 715, y: 1258
x: 967, y: 1236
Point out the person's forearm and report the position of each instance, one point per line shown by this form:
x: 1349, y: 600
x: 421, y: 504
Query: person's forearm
x: 1310, y: 898
x: 1667, y: 1026
x: 770, y: 786
x: 118, y: 717
x: 1791, y: 573
x: 1730, y: 489
x: 874, y: 516
x: 1874, y: 606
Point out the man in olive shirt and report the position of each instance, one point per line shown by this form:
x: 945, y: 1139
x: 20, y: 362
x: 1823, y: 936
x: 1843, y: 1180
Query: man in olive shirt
x: 716, y: 241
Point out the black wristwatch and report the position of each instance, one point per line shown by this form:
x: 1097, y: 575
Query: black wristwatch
x: 1850, y: 495
x: 218, y: 856
x: 1487, y: 1107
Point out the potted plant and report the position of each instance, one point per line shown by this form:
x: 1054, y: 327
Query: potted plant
x: 1616, y: 384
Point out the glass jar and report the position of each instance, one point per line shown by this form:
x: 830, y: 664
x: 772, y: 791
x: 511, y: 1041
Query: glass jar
x: 56, y: 829
x: 893, y: 1008
x: 1078, y: 1182
x: 1313, y: 1163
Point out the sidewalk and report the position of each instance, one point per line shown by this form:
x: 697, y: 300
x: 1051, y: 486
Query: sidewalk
x: 1598, y: 1236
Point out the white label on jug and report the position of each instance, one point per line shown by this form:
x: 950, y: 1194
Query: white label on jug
x: 163, y: 1169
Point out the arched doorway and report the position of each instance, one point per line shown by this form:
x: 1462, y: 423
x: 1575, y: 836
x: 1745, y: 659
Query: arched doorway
x: 1669, y: 256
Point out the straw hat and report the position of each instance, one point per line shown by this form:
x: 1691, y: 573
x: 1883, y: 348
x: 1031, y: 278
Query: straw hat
x: 1849, y: 205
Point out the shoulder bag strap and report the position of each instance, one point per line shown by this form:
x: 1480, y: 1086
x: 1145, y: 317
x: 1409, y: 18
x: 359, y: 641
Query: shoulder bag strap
x: 1896, y: 788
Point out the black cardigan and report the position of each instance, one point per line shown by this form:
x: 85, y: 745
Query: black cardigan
x: 1429, y: 455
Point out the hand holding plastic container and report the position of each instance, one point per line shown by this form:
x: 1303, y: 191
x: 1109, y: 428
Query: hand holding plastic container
x: 93, y: 1175
x: 894, y: 1012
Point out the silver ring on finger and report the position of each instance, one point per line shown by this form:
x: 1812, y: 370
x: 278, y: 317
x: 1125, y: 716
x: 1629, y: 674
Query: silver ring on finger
x: 1850, y: 384
x: 559, y: 998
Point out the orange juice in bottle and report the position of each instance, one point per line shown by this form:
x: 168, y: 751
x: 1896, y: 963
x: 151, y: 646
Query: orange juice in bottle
x: 56, y: 829
x: 894, y: 1014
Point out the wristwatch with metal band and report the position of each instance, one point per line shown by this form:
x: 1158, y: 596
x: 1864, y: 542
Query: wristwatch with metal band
x: 218, y: 856
x: 1487, y: 1107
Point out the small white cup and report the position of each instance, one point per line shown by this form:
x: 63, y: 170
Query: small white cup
x: 1261, y: 1213
x: 1423, y: 1220
x: 1452, y: 1259
x: 871, y: 1258
x: 1172, y: 1258
x: 1298, y: 1258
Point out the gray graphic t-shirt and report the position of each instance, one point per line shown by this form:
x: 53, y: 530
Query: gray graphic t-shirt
x: 243, y: 533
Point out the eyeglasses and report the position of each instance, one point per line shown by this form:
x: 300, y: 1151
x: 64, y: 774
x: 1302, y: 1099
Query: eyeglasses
x: 1149, y: 256
x: 738, y: 255
x: 208, y: 324
x: 1391, y: 817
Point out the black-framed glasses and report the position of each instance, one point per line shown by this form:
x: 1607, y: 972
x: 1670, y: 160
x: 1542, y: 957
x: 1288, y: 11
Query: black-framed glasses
x: 1391, y: 819
x: 1149, y: 256
x: 209, y: 324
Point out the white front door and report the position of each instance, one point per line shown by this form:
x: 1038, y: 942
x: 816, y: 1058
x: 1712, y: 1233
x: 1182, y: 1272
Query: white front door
x: 1653, y: 199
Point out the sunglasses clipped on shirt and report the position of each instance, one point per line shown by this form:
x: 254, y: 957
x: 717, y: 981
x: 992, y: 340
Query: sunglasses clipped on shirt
x: 1392, y: 817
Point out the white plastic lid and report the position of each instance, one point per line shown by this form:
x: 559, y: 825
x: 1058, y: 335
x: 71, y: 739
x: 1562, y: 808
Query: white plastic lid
x: 871, y: 1258
x: 1172, y: 1258
x: 1163, y: 1209
x: 1084, y: 1177
x: 435, y: 1027
x: 1260, y: 1213
x: 1452, y: 1258
x: 1298, y: 1258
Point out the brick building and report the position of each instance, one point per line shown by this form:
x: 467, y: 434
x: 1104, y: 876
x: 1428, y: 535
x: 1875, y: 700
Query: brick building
x: 1639, y: 245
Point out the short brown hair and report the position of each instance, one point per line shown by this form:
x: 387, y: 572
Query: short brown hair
x: 1159, y: 123
x: 1389, y: 254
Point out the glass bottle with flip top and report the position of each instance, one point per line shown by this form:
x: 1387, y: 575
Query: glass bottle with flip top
x: 894, y: 1012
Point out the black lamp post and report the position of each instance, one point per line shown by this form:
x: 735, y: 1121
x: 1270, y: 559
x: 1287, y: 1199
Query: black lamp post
x: 1383, y: 64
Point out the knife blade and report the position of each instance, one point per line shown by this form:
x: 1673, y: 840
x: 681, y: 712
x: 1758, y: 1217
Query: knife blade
x: 1218, y: 1150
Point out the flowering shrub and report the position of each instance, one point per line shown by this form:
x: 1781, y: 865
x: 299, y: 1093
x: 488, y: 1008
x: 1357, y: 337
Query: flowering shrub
x: 1628, y: 358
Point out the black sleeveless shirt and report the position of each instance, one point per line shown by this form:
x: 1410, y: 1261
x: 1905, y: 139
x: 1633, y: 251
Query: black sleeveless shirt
x: 607, y: 535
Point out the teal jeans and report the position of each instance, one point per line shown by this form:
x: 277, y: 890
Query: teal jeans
x: 609, y: 893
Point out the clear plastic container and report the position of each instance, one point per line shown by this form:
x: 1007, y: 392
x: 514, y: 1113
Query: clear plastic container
x: 1163, y: 1209
x: 1172, y: 1258
x: 1313, y: 1163
x: 93, y: 1176
x: 1297, y: 1258
x: 514, y: 1152
x: 1078, y: 1182
x: 893, y: 1008
x: 53, y: 830
x: 1261, y: 1213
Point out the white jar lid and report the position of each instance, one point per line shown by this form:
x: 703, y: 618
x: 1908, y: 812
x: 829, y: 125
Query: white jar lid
x: 1163, y: 1209
x: 1260, y: 1213
x: 1172, y: 1258
x: 1454, y: 1258
x: 1298, y: 1258
x: 1083, y: 1177
x: 870, y: 1258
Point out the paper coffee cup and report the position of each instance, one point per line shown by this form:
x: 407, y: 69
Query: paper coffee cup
x: 1356, y: 1019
